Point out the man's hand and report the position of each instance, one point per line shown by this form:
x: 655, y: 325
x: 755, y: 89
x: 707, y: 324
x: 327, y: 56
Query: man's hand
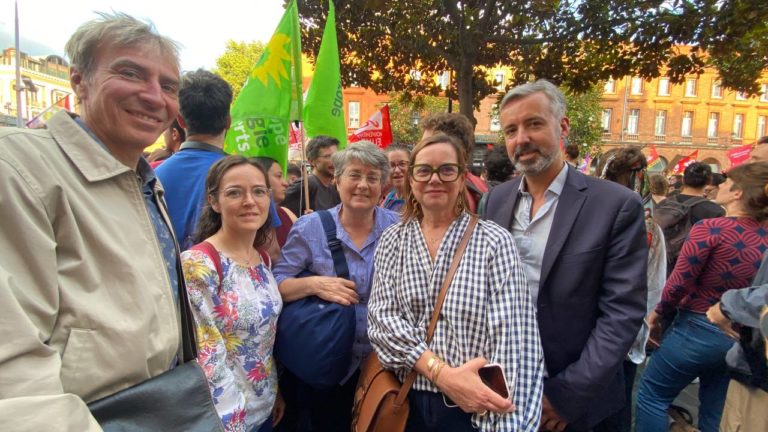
x: 278, y: 410
x: 550, y: 419
x: 335, y: 289
x: 716, y: 316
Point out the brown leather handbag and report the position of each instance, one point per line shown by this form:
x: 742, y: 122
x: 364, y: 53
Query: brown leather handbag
x: 381, y: 402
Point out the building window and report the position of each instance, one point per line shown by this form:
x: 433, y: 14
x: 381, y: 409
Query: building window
x: 686, y: 128
x: 495, y: 123
x: 764, y: 93
x: 415, y: 118
x: 636, y: 87
x: 632, y: 121
x: 499, y: 80
x: 762, y: 125
x: 605, y: 121
x: 690, y: 87
x: 714, y: 119
x: 717, y: 89
x: 738, y: 125
x: 444, y: 79
x: 610, y: 86
x: 660, y: 127
x: 663, y: 86
x: 354, y: 114
x: 740, y: 96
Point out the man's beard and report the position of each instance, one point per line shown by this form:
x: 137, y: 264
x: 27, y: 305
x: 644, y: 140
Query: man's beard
x: 536, y: 166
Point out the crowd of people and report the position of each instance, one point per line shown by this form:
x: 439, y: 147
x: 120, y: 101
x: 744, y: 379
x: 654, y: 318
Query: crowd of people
x: 567, y: 283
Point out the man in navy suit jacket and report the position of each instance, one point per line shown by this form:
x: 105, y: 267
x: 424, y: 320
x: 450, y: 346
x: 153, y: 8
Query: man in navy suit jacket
x: 583, y: 245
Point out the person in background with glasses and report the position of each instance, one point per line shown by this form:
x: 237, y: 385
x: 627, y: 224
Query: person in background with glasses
x: 361, y: 170
x: 234, y: 296
x: 487, y: 316
x: 398, y: 155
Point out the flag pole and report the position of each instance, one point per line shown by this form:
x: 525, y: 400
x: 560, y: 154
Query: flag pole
x: 18, y: 88
x: 304, y: 177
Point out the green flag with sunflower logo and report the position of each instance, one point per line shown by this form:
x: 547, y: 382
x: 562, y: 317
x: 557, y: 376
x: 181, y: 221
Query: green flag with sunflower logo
x: 271, y: 96
x: 324, y: 107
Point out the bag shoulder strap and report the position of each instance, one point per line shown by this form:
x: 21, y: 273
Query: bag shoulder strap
x: 265, y: 258
x: 438, y: 305
x: 210, y: 250
x: 334, y: 244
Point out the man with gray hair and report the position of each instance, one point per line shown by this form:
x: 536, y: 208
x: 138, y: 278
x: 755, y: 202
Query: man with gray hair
x: 88, y: 261
x: 583, y: 245
x: 322, y: 192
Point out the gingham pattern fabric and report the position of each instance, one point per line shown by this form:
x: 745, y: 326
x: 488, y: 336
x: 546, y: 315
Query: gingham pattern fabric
x: 487, y: 312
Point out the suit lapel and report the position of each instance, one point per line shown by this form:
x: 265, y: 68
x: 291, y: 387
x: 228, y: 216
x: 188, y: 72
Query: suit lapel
x: 508, y: 209
x: 568, y: 207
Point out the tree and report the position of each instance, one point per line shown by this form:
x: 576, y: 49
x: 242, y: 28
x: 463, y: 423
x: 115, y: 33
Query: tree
x: 405, y: 110
x: 236, y: 63
x: 574, y: 42
x: 584, y: 112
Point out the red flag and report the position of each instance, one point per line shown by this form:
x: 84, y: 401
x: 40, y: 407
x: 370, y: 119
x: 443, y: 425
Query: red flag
x: 653, y: 157
x: 377, y: 129
x: 739, y: 155
x: 683, y: 163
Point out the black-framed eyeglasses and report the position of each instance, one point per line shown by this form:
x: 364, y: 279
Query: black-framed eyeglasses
x: 447, y: 173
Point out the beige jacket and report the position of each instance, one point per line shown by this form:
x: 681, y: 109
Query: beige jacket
x: 86, y: 306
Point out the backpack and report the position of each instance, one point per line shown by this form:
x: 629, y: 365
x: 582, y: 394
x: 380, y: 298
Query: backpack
x: 675, y: 221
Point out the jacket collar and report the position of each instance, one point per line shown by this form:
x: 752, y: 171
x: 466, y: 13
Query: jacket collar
x: 91, y: 158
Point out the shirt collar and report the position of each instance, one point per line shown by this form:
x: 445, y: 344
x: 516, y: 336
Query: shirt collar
x: 557, y: 185
x: 199, y: 145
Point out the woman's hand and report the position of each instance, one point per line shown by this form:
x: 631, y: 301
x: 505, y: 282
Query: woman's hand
x: 464, y: 387
x: 716, y: 316
x: 278, y: 410
x: 334, y: 289
x: 655, y: 329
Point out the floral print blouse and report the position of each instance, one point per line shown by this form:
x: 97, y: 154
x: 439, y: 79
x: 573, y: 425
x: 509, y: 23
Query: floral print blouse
x: 235, y: 335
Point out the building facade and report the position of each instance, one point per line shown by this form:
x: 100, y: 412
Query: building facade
x: 44, y: 80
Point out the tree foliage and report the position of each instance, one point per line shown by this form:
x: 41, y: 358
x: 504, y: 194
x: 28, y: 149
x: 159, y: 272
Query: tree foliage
x: 584, y: 112
x: 574, y: 42
x: 406, y: 109
x: 236, y: 63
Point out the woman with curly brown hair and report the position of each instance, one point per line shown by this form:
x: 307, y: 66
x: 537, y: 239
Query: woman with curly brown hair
x: 720, y: 254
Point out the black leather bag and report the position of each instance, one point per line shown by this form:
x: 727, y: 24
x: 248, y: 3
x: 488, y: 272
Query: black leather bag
x: 176, y: 400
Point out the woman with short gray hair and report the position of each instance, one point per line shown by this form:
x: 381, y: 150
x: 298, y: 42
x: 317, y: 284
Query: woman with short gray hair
x: 360, y: 170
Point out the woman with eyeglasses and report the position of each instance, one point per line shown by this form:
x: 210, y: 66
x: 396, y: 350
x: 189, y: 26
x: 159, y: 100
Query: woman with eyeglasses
x: 234, y: 297
x: 487, y: 316
x: 360, y: 171
x: 398, y: 164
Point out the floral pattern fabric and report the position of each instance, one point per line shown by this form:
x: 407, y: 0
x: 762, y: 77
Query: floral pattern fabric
x: 236, y: 326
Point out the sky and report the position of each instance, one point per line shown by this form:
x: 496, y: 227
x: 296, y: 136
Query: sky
x: 202, y: 28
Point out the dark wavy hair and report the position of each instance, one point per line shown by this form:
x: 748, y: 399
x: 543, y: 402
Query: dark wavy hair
x: 752, y: 180
x: 697, y: 175
x: 210, y: 221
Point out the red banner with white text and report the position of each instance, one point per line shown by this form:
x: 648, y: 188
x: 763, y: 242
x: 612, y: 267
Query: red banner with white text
x: 377, y: 129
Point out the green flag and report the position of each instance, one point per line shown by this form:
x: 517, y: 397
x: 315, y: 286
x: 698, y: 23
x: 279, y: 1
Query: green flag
x: 271, y: 97
x: 324, y: 106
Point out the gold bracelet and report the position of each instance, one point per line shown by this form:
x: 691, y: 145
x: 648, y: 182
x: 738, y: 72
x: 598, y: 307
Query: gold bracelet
x: 432, y: 365
x: 437, y: 372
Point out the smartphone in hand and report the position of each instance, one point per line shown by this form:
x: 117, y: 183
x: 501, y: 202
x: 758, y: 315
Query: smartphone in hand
x: 492, y: 376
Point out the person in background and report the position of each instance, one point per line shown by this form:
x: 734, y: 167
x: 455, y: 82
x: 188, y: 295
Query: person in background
x: 497, y: 168
x: 626, y: 166
x: 720, y: 254
x: 747, y: 361
x: 204, y: 99
x: 278, y: 183
x: 88, y: 263
x: 675, y: 184
x: 361, y: 171
x: 234, y: 296
x: 659, y: 188
x: 584, y: 249
x: 322, y: 192
x: 572, y: 155
x: 759, y: 152
x: 398, y: 155
x: 710, y: 190
x: 294, y: 173
x: 173, y: 137
x: 458, y: 126
x: 487, y: 317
